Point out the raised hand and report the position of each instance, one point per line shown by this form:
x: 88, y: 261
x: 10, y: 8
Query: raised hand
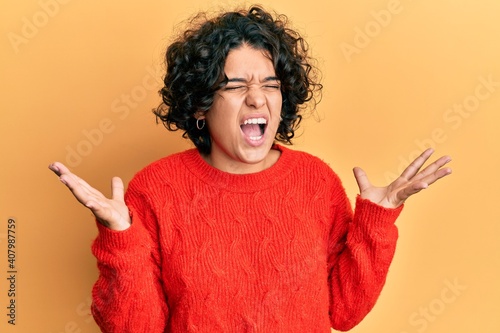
x: 112, y: 213
x: 411, y: 181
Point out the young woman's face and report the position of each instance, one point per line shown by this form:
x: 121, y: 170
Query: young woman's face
x: 245, y: 114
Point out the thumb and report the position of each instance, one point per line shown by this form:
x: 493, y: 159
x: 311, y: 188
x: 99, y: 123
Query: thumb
x: 361, y: 179
x: 117, y: 189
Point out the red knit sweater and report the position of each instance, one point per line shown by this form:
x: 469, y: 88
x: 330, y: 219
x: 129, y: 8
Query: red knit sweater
x: 208, y: 251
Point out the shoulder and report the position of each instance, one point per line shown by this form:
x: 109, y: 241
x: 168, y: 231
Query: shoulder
x: 161, y: 171
x: 299, y: 155
x: 308, y: 164
x: 314, y: 176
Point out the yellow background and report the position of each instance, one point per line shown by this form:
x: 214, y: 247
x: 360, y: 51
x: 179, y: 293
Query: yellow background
x: 82, y: 76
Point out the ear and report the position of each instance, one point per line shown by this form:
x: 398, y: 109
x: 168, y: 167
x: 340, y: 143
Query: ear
x: 199, y: 115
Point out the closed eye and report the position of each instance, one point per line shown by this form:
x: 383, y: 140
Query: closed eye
x: 233, y: 87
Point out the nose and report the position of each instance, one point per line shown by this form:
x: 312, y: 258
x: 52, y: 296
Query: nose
x: 255, y: 97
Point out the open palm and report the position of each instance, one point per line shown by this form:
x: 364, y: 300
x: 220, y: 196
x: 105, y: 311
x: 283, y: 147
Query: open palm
x: 411, y: 181
x: 112, y: 213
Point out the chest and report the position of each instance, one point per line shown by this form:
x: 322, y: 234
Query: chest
x: 215, y: 238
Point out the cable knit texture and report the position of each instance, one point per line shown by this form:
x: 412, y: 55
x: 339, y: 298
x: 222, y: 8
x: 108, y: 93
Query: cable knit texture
x: 208, y: 251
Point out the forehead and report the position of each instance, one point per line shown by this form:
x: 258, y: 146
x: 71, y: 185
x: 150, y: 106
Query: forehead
x: 247, y: 62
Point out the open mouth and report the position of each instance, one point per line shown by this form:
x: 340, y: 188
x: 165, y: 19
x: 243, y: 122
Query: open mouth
x: 254, y: 128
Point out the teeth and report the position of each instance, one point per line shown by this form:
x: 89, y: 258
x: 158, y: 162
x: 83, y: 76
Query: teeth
x: 255, y: 138
x: 255, y: 121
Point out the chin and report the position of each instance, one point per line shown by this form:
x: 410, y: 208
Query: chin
x: 258, y: 154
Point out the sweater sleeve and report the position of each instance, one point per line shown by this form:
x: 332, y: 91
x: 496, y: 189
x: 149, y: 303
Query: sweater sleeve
x: 128, y: 295
x: 361, y: 248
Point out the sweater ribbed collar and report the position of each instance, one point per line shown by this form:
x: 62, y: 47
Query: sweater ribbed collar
x: 251, y: 182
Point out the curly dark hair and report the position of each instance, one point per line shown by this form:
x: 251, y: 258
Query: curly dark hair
x: 195, y: 69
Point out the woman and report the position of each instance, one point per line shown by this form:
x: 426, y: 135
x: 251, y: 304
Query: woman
x: 241, y: 234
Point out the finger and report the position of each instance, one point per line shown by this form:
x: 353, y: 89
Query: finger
x: 117, y: 189
x: 82, y: 193
x: 361, y: 179
x: 423, y: 183
x: 58, y: 168
x: 410, y: 190
x: 414, y: 166
x: 433, y: 167
x: 64, y: 173
x: 436, y: 175
x: 90, y: 189
x: 53, y: 167
x: 71, y: 180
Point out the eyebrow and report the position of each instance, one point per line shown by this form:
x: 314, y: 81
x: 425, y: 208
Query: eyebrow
x: 266, y: 79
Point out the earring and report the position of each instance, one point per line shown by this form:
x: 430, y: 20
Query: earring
x: 198, y: 125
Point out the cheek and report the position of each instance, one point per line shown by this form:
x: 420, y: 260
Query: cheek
x: 277, y: 104
x: 221, y: 121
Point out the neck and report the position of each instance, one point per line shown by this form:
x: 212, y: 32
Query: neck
x: 240, y: 167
